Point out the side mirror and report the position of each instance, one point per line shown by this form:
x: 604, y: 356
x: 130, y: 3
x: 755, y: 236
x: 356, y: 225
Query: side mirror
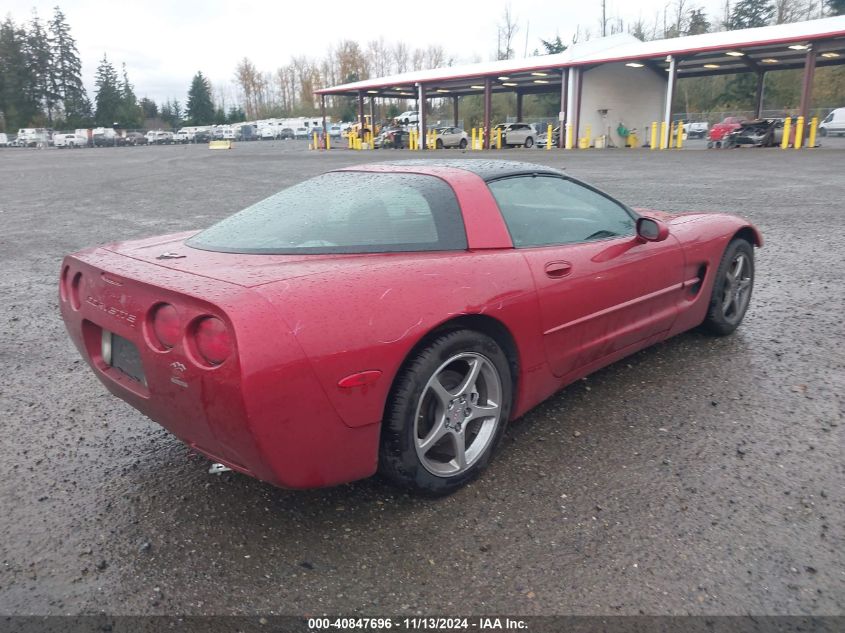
x: 651, y: 230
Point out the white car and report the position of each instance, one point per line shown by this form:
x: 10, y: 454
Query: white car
x: 451, y: 137
x: 833, y: 123
x: 70, y: 140
x: 268, y: 133
x: 183, y: 137
x: 4, y: 140
x: 301, y: 132
x: 411, y: 117
x: 514, y: 134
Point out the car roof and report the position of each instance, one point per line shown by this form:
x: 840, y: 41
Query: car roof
x: 484, y: 168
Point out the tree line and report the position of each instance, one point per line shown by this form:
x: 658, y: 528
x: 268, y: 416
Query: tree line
x: 41, y: 73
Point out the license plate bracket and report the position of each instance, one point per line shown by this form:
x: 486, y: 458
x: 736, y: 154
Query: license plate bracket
x: 123, y: 355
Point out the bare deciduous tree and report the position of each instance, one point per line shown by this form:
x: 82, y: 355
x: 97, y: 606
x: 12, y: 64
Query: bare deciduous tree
x: 505, y: 33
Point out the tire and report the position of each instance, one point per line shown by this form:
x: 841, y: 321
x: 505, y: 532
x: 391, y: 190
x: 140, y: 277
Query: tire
x: 463, y: 143
x: 436, y: 405
x: 823, y: 132
x: 529, y: 142
x: 438, y: 144
x: 730, y: 299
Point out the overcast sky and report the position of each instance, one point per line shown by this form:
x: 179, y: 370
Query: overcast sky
x: 164, y: 43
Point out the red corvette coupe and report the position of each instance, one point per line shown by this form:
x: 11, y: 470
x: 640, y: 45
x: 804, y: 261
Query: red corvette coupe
x: 394, y: 317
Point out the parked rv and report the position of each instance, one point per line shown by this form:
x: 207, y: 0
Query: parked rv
x: 33, y: 136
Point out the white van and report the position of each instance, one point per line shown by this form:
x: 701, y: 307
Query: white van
x: 4, y: 140
x: 834, y: 123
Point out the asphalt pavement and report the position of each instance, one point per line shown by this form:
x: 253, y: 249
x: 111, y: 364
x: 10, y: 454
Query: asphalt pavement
x: 701, y: 476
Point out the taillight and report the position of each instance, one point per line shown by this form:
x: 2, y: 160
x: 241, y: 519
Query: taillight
x: 212, y: 340
x: 166, y: 326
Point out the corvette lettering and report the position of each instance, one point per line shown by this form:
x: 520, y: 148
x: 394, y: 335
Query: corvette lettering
x: 117, y: 313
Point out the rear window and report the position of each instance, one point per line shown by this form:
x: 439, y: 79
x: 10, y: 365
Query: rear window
x: 345, y: 212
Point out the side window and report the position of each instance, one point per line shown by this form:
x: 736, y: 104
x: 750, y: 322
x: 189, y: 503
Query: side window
x: 828, y: 118
x: 547, y: 210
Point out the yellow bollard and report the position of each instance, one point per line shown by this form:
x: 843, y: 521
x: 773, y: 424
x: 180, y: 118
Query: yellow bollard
x: 568, y: 144
x: 787, y: 127
x: 671, y: 134
x: 498, y: 138
x: 653, y: 144
x: 589, y: 136
x: 316, y: 146
x: 799, y: 132
x: 814, y: 124
x: 328, y: 141
x: 663, y: 135
x: 349, y: 140
x: 680, y: 143
x: 548, y: 137
x: 472, y: 140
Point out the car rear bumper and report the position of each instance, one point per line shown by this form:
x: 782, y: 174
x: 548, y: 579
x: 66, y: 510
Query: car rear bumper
x: 261, y: 412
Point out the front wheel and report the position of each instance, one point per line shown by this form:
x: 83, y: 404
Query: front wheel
x: 438, y: 144
x: 463, y: 143
x: 823, y: 132
x: 731, y: 288
x: 529, y: 142
x: 447, y: 412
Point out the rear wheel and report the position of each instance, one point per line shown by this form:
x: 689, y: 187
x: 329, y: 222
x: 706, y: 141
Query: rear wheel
x: 731, y: 288
x: 463, y: 143
x: 446, y: 414
x: 438, y: 144
x: 529, y: 142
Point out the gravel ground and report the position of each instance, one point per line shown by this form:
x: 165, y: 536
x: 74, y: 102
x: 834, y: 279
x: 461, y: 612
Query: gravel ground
x: 701, y: 476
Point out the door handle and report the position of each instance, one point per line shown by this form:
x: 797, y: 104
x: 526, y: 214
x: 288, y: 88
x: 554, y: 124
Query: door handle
x: 556, y: 270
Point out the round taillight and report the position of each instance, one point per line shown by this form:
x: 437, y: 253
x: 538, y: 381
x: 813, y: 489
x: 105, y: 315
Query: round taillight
x: 212, y: 340
x: 63, y: 283
x: 75, y: 293
x: 165, y: 322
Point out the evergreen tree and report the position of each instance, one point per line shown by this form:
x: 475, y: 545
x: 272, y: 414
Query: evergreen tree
x: 236, y: 115
x: 698, y: 22
x: 165, y: 113
x: 18, y: 103
x: 130, y: 111
x: 149, y: 109
x: 67, y: 74
x: 553, y: 46
x: 748, y: 14
x: 219, y: 115
x: 836, y: 7
x: 200, y: 109
x: 178, y: 117
x: 109, y: 99
x: 41, y: 67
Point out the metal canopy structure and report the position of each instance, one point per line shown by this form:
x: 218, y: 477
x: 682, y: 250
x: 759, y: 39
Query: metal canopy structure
x: 798, y: 45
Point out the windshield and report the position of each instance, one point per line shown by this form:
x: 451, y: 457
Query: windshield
x: 345, y: 212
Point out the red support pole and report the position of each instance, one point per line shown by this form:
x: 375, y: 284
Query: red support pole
x: 519, y: 105
x: 807, y: 86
